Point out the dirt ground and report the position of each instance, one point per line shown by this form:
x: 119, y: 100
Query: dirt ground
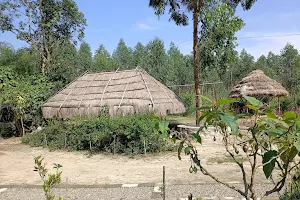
x: 17, y: 164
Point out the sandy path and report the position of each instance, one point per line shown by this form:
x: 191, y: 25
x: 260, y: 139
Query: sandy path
x: 16, y: 166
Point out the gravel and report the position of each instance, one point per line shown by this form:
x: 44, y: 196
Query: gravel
x: 173, y: 192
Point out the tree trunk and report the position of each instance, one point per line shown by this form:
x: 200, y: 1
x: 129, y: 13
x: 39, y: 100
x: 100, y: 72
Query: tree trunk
x: 43, y: 65
x: 196, y: 59
x: 22, y: 126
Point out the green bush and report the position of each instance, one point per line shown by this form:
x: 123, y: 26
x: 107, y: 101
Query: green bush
x: 130, y: 135
x: 7, y: 129
x: 293, y: 196
x: 285, y: 104
x: 189, y: 101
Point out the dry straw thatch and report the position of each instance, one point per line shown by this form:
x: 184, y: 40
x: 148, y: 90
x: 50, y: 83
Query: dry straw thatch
x: 257, y: 84
x: 123, y: 92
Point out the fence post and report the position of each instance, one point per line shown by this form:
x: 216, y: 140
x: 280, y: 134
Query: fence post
x: 114, y: 144
x: 145, y: 151
x: 65, y: 139
x: 45, y: 138
x: 90, y: 142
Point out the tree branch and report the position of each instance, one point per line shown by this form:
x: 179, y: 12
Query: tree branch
x: 205, y: 172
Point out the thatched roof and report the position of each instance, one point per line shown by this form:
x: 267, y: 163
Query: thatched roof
x: 127, y: 91
x: 257, y: 84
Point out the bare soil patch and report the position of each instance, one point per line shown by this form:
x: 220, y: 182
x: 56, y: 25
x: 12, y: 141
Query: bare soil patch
x: 17, y: 161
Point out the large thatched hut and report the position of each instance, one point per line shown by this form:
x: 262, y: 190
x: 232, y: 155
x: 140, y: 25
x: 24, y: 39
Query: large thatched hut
x: 123, y: 92
x: 259, y: 85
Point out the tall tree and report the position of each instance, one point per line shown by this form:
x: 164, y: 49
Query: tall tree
x: 179, y: 11
x: 43, y: 24
x: 174, y: 64
x: 290, y: 68
x: 156, y: 60
x: 84, y: 57
x: 103, y: 61
x: 7, y: 53
x: 27, y: 62
x: 139, y: 55
x: 123, y: 55
x: 262, y: 64
x: 64, y: 65
x: 217, y: 38
x: 244, y: 65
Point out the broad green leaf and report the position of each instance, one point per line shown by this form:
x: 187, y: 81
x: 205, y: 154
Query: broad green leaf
x: 226, y: 101
x: 297, y: 126
x: 204, y: 98
x: 252, y: 107
x: 289, y: 115
x: 237, y: 116
x: 276, y: 122
x: 197, y: 138
x: 188, y: 149
x: 268, y: 168
x: 255, y: 102
x: 293, y: 152
x: 163, y: 127
x: 203, y: 108
x: 203, y: 115
x: 274, y: 132
x: 231, y: 122
x: 271, y: 115
x: 297, y: 145
x: 288, y: 155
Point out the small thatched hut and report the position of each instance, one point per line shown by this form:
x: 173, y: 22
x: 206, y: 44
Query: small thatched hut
x: 257, y: 84
x: 123, y: 92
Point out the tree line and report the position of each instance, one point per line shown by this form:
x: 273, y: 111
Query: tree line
x: 167, y: 64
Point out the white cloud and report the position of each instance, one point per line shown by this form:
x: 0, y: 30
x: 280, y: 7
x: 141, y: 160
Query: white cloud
x: 144, y: 26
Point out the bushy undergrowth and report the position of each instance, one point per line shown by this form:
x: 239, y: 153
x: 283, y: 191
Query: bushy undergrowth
x: 291, y: 196
x: 130, y: 135
x: 293, y: 189
x: 189, y: 102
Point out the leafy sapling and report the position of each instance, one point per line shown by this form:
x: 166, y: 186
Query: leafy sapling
x: 49, y: 180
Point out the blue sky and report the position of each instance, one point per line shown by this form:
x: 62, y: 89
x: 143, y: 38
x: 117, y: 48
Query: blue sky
x: 134, y: 21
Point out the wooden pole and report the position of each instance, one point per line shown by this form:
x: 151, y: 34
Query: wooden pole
x: 90, y: 143
x: 145, y: 151
x: 45, y: 138
x: 65, y: 139
x: 114, y: 144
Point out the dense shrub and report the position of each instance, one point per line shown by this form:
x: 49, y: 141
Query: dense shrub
x: 189, y: 101
x: 291, y: 196
x: 131, y: 135
x: 7, y: 129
